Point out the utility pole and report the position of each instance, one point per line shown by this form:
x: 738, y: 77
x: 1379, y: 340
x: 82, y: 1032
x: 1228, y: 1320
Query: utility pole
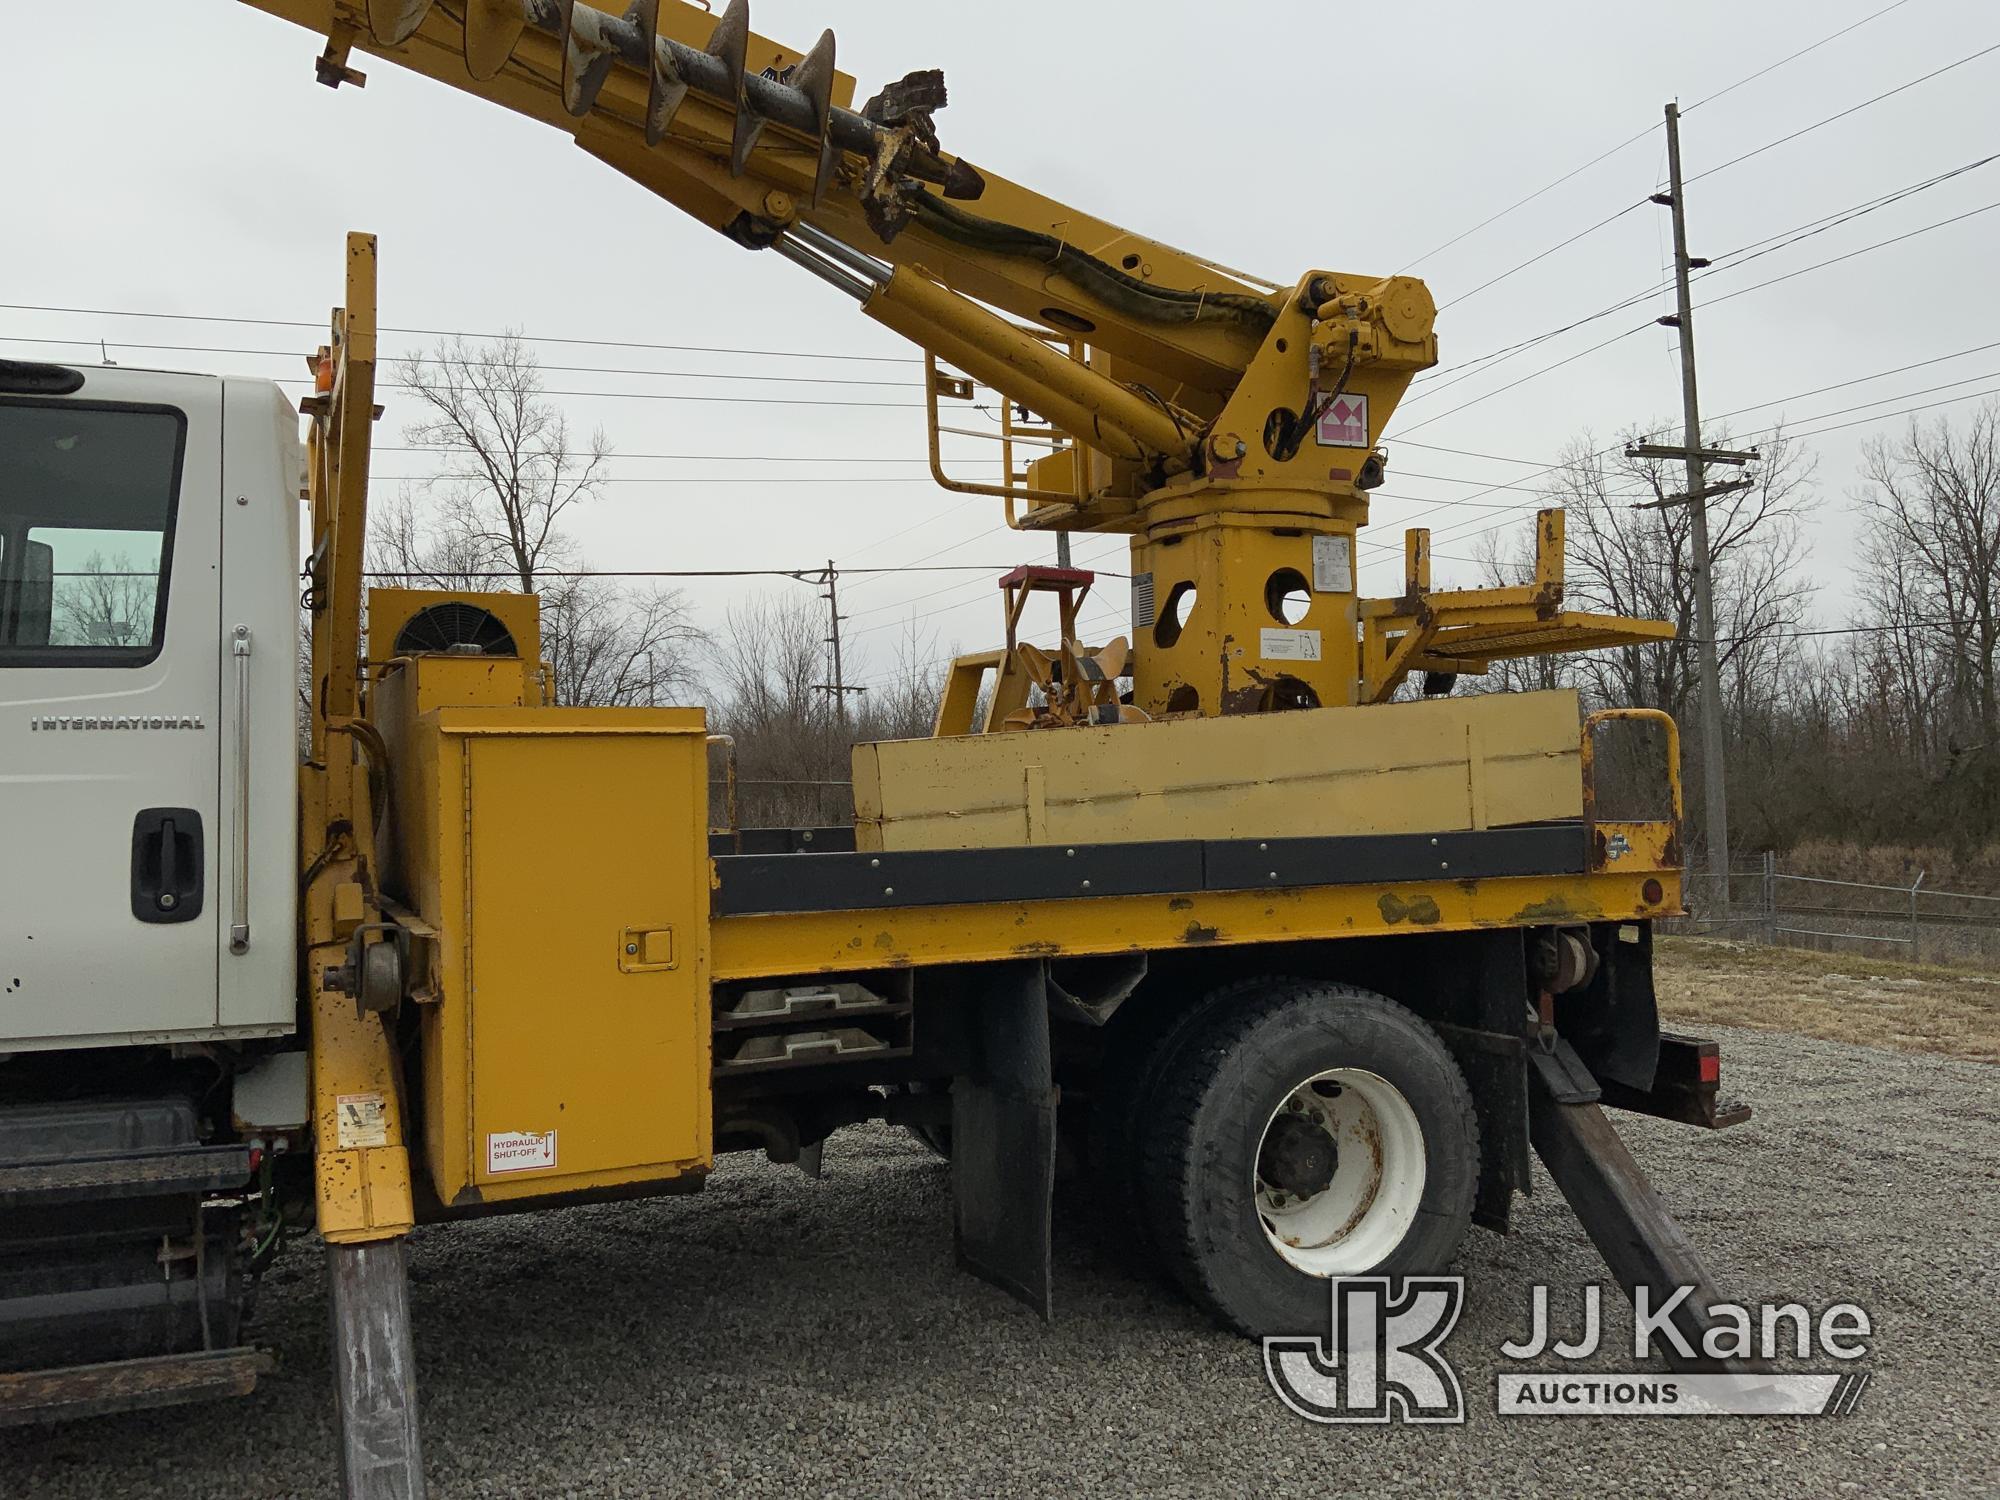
x: 1715, y: 787
x: 838, y: 687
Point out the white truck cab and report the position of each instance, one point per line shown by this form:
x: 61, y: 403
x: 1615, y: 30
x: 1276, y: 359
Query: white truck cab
x: 149, y: 626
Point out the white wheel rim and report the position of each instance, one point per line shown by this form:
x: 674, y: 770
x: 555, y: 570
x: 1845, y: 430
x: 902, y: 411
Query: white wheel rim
x: 1352, y: 1224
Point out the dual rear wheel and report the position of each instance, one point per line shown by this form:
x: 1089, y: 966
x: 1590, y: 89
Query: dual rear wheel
x: 1280, y: 1133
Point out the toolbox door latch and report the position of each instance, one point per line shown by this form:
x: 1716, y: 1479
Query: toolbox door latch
x: 642, y: 949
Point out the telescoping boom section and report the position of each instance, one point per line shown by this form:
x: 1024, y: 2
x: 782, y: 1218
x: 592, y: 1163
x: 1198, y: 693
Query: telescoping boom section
x: 1229, y: 426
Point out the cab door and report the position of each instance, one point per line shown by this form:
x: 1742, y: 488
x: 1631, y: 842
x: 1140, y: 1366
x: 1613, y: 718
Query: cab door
x: 110, y: 702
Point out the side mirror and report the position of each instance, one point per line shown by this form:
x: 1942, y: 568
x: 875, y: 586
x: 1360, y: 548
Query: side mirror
x: 34, y: 601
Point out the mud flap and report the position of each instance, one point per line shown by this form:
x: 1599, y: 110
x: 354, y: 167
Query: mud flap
x: 1496, y: 1071
x: 1619, y: 1208
x: 1003, y: 1131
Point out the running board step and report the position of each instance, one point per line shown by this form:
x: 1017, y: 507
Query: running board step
x: 129, y: 1385
x: 198, y: 1169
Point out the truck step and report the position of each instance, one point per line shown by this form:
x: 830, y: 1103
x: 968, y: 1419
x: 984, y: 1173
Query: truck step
x: 129, y: 1385
x: 119, y: 1148
x: 198, y: 1169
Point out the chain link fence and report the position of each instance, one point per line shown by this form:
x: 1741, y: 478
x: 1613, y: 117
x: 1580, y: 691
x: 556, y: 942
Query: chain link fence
x: 1912, y: 922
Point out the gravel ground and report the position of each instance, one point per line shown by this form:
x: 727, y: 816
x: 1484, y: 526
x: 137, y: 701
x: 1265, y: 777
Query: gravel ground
x: 779, y: 1336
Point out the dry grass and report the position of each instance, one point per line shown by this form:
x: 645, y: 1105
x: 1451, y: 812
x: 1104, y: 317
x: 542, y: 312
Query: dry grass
x: 1976, y: 871
x: 1875, y: 1002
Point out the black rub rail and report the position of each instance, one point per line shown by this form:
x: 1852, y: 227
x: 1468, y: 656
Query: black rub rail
x: 760, y: 883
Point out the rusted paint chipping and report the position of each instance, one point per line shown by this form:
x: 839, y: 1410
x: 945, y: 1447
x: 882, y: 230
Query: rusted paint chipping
x: 1551, y: 909
x: 1422, y: 912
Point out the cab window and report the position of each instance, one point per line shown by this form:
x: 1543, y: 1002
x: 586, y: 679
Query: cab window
x: 87, y: 500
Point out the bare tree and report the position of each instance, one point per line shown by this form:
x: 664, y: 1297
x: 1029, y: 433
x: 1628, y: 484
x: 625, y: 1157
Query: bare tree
x: 903, y: 704
x: 105, y: 603
x: 1930, y: 590
x: 792, y: 742
x: 509, y: 472
x: 769, y: 658
x: 1628, y: 561
x: 620, y: 647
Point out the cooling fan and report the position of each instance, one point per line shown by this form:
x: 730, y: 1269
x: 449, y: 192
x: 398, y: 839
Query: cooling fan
x: 454, y: 628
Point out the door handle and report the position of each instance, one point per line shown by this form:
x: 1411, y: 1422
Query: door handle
x: 167, y: 865
x: 239, y: 885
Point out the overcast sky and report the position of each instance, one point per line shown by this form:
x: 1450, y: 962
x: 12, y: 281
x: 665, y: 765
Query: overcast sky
x: 180, y: 159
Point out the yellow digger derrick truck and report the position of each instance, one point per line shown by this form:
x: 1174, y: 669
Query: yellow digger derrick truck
x: 1309, y: 973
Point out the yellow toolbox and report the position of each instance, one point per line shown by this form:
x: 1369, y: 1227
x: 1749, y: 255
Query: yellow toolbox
x: 565, y: 1045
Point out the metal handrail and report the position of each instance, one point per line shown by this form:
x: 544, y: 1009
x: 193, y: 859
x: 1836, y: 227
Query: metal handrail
x: 1648, y: 715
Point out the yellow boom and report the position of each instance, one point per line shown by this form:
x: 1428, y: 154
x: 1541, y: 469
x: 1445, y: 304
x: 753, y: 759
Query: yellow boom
x: 1229, y: 425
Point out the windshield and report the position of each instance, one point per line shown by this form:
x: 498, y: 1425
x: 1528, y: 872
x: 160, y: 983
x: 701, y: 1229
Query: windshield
x: 87, y: 497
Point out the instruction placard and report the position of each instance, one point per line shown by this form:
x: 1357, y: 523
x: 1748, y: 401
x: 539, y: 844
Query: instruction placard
x: 1288, y: 645
x: 1142, y: 604
x: 360, y: 1120
x: 1333, y: 565
x: 520, y: 1150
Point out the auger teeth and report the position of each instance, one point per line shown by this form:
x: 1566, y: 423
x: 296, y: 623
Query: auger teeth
x: 730, y: 41
x: 669, y: 93
x: 813, y: 77
x: 391, y: 22
x: 587, y: 56
x: 492, y: 30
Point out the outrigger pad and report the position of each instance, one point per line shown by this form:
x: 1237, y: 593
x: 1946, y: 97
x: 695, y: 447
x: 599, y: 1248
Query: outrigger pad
x: 1003, y: 1134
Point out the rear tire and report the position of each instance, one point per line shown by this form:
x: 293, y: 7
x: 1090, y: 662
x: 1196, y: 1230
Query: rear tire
x: 1306, y: 1130
x: 1144, y: 1042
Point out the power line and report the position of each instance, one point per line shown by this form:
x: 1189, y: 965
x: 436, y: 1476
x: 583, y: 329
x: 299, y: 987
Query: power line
x: 1757, y: 249
x: 1859, y: 380
x: 692, y: 480
x: 1458, y: 532
x: 1523, y: 202
x: 957, y: 546
x: 1807, y: 635
x: 804, y: 574
x: 1501, y: 458
x: 1711, y: 302
x: 1890, y: 415
x: 1724, y: 166
x: 930, y: 520
x: 1605, y: 155
x: 918, y: 406
x: 1741, y: 255
x: 458, y: 333
x: 1523, y: 380
x: 473, y: 364
x: 1885, y: 400
x: 1793, y: 57
x: 1820, y: 265
x: 679, y: 396
x: 1843, y: 114
x: 692, y: 458
x: 1089, y: 563
x: 1544, y: 255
